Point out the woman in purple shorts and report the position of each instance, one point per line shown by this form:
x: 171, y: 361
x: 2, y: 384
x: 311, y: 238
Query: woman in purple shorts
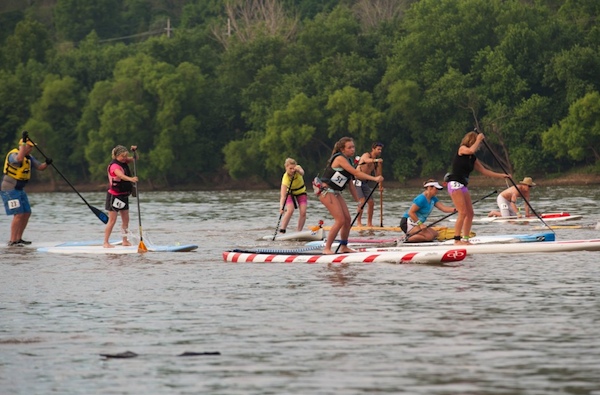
x: 463, y: 164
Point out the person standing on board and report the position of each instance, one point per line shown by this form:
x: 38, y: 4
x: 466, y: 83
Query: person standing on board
x: 412, y: 221
x: 463, y: 164
x: 338, y: 174
x: 507, y: 199
x: 292, y: 194
x: 17, y: 171
x: 368, y: 163
x: 120, y: 184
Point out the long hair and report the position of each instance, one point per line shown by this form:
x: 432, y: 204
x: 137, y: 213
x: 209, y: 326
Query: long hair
x: 339, y: 146
x: 341, y: 143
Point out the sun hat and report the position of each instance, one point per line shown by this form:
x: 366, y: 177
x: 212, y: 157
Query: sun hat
x: 528, y: 181
x: 432, y: 183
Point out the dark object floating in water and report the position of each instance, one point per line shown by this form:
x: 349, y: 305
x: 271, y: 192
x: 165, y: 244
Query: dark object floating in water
x: 131, y: 354
x: 195, y: 354
x: 126, y: 354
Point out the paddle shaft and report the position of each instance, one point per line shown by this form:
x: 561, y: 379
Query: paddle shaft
x: 380, y: 172
x: 513, y: 181
x: 381, y: 207
x: 141, y: 246
x: 360, y: 210
x: 283, y: 207
x: 446, y: 216
x: 101, y: 216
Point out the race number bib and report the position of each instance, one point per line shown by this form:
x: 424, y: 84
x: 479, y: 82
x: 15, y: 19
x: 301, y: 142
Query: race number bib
x: 339, y: 179
x: 455, y: 185
x: 14, y: 203
x: 118, y: 203
x: 357, y: 183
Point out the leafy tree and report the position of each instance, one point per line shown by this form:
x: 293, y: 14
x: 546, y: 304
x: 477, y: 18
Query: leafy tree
x: 578, y: 135
x: 291, y: 132
x: 155, y: 106
x: 90, y: 61
x: 17, y: 90
x: 30, y: 41
x: 75, y: 19
x: 54, y: 117
x: 352, y: 112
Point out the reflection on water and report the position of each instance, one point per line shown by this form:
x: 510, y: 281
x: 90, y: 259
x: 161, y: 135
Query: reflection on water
x: 497, y: 324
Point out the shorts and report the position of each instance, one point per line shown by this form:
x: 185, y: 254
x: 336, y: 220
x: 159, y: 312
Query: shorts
x: 454, y: 186
x: 506, y: 209
x: 362, y: 189
x: 116, y: 202
x: 406, y: 224
x: 301, y: 199
x: 15, y: 202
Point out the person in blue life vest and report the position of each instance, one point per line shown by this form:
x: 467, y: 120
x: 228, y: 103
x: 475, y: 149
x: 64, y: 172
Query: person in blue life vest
x: 292, y: 194
x: 412, y: 221
x: 17, y: 172
x: 370, y: 163
x: 120, y: 183
x: 463, y: 164
x: 338, y: 174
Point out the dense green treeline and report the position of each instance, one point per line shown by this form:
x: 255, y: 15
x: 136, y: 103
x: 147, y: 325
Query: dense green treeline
x: 207, y: 88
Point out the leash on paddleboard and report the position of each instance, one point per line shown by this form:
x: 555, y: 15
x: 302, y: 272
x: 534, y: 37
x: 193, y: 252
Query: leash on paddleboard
x: 406, y: 237
x: 359, y: 211
x: 141, y: 247
x: 511, y: 179
x: 284, y: 202
x: 101, y: 215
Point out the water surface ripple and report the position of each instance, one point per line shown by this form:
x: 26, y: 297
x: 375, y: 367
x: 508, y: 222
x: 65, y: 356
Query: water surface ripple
x: 497, y: 324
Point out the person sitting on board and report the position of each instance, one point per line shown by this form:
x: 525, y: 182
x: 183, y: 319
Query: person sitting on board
x: 507, y: 200
x: 412, y: 221
x: 368, y: 163
x: 338, y: 174
x: 463, y: 164
x: 117, y: 197
x: 17, y: 172
x: 292, y: 194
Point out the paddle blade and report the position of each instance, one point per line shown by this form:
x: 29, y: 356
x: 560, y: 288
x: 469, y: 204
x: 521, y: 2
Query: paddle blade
x: 101, y: 216
x: 142, y: 247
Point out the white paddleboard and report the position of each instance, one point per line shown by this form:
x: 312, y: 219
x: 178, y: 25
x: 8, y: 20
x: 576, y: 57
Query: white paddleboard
x: 304, y: 235
x: 118, y: 249
x: 548, y: 218
x: 428, y: 257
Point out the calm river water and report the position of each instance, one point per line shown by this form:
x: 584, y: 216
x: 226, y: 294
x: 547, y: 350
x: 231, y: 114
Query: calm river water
x: 497, y: 324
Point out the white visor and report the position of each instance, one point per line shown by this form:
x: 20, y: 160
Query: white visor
x: 433, y: 184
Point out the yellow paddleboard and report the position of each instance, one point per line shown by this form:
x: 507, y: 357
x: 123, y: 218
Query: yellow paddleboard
x: 364, y: 228
x: 444, y: 233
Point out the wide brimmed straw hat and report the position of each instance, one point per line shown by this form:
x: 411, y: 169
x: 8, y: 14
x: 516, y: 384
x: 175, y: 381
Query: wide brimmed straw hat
x: 528, y: 181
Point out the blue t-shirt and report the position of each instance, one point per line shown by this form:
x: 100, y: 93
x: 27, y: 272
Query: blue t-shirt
x: 425, y: 207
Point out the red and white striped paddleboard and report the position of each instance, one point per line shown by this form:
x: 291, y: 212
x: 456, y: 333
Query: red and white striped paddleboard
x: 428, y: 257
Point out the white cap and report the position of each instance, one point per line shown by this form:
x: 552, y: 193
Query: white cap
x: 433, y: 184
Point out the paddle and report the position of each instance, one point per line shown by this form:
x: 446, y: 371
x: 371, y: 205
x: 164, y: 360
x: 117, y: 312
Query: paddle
x: 381, y: 208
x: 141, y: 247
x: 406, y: 237
x: 381, y: 198
x: 101, y: 216
x: 283, y: 207
x: 360, y: 211
x: 511, y: 179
